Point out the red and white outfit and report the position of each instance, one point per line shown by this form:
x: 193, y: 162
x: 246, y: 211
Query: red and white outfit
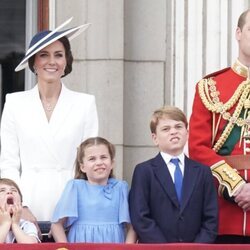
x: 216, y: 105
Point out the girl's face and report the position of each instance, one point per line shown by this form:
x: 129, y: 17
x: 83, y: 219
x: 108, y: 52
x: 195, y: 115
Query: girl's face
x: 97, y: 164
x: 50, y: 62
x: 9, y: 195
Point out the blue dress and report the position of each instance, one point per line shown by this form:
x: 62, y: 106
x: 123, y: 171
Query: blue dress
x: 95, y: 213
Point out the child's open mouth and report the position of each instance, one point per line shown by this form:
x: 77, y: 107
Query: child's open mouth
x: 10, y: 201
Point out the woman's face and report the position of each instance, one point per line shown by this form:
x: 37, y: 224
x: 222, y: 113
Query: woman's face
x: 50, y: 63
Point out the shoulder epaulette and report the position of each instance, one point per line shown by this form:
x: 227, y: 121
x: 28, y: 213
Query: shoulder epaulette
x: 217, y: 72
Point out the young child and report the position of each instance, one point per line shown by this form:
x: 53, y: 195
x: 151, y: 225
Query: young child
x: 94, y: 206
x: 172, y: 198
x: 12, y: 227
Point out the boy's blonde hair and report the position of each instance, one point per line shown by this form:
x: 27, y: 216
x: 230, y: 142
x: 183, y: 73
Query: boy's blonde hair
x: 171, y: 112
x: 81, y: 154
x: 9, y: 182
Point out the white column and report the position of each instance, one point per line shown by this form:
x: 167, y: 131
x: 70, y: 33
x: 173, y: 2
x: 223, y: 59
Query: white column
x: 195, y: 44
x: 180, y: 54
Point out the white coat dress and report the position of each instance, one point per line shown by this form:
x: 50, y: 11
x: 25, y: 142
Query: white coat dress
x: 40, y: 155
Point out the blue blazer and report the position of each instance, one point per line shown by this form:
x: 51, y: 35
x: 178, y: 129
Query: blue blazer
x: 155, y: 212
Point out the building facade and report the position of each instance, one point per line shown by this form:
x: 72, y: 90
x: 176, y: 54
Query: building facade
x: 139, y: 55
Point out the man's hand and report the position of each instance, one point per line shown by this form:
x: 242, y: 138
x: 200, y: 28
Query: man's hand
x: 242, y: 198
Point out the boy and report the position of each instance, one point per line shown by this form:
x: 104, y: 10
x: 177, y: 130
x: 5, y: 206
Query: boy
x: 12, y: 227
x: 172, y: 200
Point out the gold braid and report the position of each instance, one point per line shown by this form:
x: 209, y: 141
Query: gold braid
x: 214, y: 105
x: 234, y: 119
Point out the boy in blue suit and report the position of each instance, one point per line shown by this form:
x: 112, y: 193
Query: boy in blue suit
x: 173, y: 198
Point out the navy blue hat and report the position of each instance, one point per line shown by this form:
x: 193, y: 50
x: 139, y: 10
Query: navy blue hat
x: 44, y: 38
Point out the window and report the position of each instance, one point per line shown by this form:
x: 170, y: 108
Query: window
x: 12, y: 45
x: 19, y: 21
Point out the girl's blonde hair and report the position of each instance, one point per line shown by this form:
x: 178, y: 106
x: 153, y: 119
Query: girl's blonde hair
x: 93, y: 141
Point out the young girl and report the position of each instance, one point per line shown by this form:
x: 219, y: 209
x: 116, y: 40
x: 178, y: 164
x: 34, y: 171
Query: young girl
x: 94, y: 205
x: 12, y: 227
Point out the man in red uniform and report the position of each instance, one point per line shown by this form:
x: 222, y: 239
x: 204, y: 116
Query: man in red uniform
x: 220, y: 137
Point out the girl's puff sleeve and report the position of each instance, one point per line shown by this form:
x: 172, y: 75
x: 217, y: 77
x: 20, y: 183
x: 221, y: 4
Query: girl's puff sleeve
x: 124, y: 208
x: 67, y: 205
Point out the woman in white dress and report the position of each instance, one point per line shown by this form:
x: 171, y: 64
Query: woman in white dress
x: 42, y: 127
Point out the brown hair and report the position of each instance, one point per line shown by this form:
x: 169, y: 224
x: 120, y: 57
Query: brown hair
x: 242, y: 19
x: 92, y: 141
x: 10, y: 182
x: 167, y: 111
x: 68, y: 54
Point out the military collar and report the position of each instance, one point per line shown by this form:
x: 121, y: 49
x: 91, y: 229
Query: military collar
x: 240, y: 69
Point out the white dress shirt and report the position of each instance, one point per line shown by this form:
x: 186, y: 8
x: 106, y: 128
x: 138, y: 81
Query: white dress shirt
x: 171, y: 167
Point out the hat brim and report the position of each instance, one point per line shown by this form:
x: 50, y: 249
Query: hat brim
x: 69, y: 33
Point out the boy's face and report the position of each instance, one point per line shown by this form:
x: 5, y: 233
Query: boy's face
x: 9, y: 195
x: 170, y: 136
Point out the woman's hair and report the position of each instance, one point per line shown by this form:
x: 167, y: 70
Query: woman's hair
x: 9, y: 182
x: 93, y: 141
x: 68, y: 54
x: 167, y: 111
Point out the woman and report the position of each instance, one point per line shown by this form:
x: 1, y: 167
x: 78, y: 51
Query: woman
x: 42, y: 127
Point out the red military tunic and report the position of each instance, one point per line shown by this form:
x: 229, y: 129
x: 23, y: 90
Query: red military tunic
x: 206, y: 128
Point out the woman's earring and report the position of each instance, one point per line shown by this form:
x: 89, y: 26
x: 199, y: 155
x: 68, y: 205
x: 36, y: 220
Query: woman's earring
x: 35, y: 71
